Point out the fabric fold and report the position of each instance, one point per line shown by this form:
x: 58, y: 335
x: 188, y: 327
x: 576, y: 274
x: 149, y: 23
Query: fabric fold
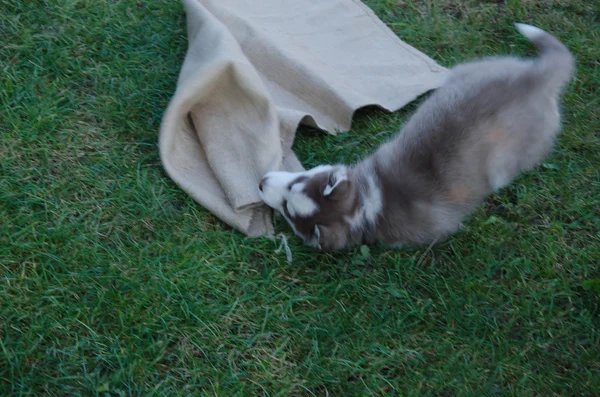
x: 254, y: 71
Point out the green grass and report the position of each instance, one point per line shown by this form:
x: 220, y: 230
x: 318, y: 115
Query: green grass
x: 114, y: 282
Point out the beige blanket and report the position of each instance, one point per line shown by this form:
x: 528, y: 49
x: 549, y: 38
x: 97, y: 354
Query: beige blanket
x: 254, y: 71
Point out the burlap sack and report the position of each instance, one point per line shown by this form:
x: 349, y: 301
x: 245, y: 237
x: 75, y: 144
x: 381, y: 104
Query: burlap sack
x: 254, y: 71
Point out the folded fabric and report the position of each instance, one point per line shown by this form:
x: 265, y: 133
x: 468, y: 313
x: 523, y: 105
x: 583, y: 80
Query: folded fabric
x: 254, y: 71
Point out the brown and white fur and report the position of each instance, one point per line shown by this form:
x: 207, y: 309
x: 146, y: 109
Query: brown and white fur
x: 490, y: 120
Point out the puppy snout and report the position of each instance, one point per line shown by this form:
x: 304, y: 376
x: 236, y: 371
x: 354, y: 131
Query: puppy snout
x: 261, y: 183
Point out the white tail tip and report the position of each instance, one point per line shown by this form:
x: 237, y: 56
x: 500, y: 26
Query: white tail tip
x: 529, y: 31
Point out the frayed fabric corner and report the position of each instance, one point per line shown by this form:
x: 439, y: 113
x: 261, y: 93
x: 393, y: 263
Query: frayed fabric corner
x: 255, y: 71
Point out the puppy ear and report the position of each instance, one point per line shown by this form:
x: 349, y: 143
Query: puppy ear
x: 338, y: 183
x: 329, y: 238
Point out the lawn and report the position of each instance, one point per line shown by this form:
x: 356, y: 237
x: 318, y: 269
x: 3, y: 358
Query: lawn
x: 114, y: 282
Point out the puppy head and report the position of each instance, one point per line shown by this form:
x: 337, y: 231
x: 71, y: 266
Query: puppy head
x: 319, y: 204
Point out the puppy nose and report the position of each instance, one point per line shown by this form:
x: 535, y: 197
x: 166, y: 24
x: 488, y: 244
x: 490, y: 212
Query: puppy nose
x: 261, y: 183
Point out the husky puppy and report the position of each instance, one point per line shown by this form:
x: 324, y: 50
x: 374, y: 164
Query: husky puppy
x: 491, y: 120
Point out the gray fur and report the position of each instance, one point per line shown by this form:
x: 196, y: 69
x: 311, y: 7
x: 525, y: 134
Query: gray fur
x: 490, y: 121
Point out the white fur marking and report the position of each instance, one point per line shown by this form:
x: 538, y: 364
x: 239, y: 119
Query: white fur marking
x: 372, y: 201
x: 302, y: 205
x: 498, y: 179
x: 317, y: 237
x: 340, y: 176
x: 276, y: 186
x: 329, y: 189
x: 317, y: 170
x: 531, y: 32
x: 298, y: 187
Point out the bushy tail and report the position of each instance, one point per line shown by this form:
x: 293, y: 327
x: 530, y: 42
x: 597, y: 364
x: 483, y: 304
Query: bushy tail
x: 556, y: 63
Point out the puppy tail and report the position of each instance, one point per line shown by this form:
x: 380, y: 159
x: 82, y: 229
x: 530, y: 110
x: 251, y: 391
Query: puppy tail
x: 556, y: 63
